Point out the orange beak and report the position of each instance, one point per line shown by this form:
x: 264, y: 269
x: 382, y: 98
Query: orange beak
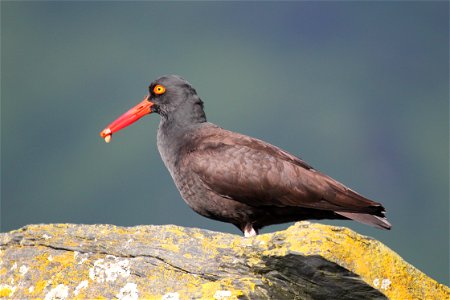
x: 128, y: 118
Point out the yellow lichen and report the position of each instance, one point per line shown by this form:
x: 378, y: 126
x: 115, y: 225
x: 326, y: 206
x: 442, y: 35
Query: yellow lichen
x: 5, y: 292
x: 171, y: 247
x: 173, y: 279
x: 352, y: 251
x: 67, y: 262
x: 120, y: 230
x: 60, y: 269
x: 207, y: 244
x: 39, y: 287
x: 151, y: 297
x: 209, y: 290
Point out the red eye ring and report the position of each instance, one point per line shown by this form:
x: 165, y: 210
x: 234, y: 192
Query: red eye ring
x: 159, y: 89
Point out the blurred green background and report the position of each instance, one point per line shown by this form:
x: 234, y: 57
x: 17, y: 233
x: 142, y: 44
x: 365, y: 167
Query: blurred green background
x: 357, y: 89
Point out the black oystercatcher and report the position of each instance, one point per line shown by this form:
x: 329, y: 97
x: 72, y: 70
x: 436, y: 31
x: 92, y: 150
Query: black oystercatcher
x: 238, y: 179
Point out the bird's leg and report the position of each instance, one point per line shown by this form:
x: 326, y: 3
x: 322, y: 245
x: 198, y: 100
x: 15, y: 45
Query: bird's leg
x: 249, y: 231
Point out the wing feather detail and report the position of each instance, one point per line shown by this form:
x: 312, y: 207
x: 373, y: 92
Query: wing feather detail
x: 257, y: 173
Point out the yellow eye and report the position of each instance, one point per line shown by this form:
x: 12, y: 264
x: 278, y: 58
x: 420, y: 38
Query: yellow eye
x: 159, y: 89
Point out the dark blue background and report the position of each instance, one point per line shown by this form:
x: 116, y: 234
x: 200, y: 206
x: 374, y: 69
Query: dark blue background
x: 357, y: 89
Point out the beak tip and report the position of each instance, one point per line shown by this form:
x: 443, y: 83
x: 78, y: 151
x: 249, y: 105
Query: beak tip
x: 129, y: 117
x: 106, y: 134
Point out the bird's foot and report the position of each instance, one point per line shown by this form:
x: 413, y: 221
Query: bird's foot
x: 249, y: 231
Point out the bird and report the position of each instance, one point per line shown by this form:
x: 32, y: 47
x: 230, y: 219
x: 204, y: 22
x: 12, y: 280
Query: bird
x: 233, y: 178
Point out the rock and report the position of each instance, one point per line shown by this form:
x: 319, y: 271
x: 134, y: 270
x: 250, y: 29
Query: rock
x: 306, y: 261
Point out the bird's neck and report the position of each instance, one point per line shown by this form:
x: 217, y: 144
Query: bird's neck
x: 175, y: 129
x: 187, y: 114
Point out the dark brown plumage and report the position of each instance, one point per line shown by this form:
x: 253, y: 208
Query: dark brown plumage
x: 237, y: 179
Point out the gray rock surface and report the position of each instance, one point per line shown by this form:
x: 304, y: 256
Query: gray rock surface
x: 59, y: 261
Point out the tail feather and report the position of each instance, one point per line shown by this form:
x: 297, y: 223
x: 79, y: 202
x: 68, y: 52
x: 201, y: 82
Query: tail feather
x: 375, y: 221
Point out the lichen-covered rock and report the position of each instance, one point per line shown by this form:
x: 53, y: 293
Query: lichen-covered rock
x: 306, y: 261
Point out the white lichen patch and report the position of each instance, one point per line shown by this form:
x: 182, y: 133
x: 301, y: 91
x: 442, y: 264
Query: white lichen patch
x: 171, y: 296
x: 128, y: 292
x: 109, y: 269
x: 50, y: 258
x: 23, y: 269
x: 21, y: 284
x: 14, y: 267
x: 81, y: 258
x: 82, y: 285
x: 221, y: 295
x: 60, y: 292
x: 385, y: 284
x: 376, y: 282
x: 31, y: 289
x: 46, y: 236
x: 127, y: 244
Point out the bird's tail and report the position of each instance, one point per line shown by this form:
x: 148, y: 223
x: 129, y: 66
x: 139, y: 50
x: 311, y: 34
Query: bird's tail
x: 375, y: 221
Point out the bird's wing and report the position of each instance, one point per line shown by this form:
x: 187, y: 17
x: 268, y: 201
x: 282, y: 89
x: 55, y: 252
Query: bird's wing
x: 257, y: 173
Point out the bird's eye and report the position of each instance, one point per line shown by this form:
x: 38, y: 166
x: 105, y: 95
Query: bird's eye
x: 159, y: 89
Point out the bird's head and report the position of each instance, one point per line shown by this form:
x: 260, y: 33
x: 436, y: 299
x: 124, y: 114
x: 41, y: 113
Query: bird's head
x: 170, y: 96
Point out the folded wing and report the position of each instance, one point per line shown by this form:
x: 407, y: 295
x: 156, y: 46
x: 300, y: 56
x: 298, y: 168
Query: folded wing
x: 257, y: 173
